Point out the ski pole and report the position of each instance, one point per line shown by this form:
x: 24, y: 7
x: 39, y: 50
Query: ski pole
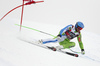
x: 74, y: 51
x: 36, y: 30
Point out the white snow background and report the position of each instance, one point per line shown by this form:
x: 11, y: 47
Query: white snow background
x: 50, y: 17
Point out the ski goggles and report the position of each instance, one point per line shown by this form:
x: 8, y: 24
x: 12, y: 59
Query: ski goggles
x: 79, y: 28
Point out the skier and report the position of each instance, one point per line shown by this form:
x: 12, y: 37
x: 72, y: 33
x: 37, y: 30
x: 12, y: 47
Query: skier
x: 65, y: 35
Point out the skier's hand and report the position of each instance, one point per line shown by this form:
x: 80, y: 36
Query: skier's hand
x: 82, y: 51
x: 59, y: 35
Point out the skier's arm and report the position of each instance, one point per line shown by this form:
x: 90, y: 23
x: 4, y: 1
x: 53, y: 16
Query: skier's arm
x: 65, y: 29
x: 80, y: 43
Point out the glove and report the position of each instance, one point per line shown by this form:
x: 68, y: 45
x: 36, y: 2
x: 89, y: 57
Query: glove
x: 82, y: 51
x: 59, y: 35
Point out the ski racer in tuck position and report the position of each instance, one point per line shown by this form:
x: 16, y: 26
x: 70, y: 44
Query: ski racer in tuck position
x: 65, y: 35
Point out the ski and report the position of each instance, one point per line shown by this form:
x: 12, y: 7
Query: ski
x: 48, y: 47
x: 69, y: 53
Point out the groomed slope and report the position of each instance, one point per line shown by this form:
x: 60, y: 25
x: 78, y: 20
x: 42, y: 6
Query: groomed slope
x: 14, y: 52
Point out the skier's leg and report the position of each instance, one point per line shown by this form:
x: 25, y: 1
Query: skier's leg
x: 44, y: 41
x: 49, y: 40
x: 67, y: 44
x: 71, y: 44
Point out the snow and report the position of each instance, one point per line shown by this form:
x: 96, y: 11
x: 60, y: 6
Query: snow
x: 14, y: 52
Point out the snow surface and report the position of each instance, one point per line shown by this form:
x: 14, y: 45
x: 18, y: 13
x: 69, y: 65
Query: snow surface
x: 14, y: 52
x: 50, y: 17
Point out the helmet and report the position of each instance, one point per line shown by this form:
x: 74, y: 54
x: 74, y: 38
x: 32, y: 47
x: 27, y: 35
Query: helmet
x: 79, y: 25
